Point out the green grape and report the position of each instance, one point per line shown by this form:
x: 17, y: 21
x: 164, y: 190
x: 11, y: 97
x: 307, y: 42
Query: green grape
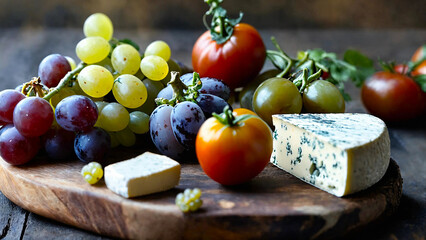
x: 158, y: 48
x: 129, y: 91
x: 98, y: 24
x: 189, y: 200
x: 95, y: 81
x: 106, y: 63
x: 153, y: 88
x: 173, y: 66
x: 154, y: 67
x: 92, y: 49
x: 114, y: 117
x: 65, y: 92
x: 139, y: 74
x: 323, y: 97
x: 92, y: 172
x: 139, y: 122
x: 71, y: 62
x: 100, y: 105
x: 125, y: 59
x: 126, y: 137
x: 114, y: 141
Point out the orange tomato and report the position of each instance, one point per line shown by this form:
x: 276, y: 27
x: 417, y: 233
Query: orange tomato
x: 233, y: 154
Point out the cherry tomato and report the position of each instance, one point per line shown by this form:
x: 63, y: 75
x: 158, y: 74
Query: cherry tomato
x: 323, y: 97
x: 401, y: 68
x: 417, y: 56
x: 246, y: 95
x: 233, y: 154
x: 419, y: 70
x: 276, y: 95
x: 236, y: 62
x: 393, y: 96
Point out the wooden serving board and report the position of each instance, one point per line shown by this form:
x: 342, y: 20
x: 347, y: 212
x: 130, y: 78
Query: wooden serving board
x: 273, y: 205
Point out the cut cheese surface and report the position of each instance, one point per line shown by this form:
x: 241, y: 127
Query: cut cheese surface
x: 145, y: 174
x: 338, y: 153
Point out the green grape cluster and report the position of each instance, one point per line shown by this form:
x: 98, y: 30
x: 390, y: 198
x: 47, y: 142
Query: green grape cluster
x: 92, y: 172
x: 189, y: 200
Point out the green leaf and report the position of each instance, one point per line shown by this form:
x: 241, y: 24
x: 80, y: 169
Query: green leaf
x: 421, y: 80
x: 357, y: 59
x: 276, y: 59
x: 130, y: 42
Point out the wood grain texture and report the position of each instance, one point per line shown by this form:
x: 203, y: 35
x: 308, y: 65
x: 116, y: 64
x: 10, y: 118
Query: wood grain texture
x: 273, y: 205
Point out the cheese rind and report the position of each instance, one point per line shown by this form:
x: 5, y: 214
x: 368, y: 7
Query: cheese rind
x: 338, y: 153
x: 145, y: 174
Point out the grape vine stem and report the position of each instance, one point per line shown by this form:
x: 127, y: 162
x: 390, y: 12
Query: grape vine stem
x: 65, y: 81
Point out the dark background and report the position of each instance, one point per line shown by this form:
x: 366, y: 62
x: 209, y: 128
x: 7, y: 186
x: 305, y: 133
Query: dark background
x: 187, y: 14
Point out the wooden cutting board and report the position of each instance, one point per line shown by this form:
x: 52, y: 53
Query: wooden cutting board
x: 273, y: 205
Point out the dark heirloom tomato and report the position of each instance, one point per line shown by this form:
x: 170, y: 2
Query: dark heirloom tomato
x: 393, y: 96
x: 234, y: 147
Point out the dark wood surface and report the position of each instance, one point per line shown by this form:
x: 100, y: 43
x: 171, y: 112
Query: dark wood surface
x: 22, y: 50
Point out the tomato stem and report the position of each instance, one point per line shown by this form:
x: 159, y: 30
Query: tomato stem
x: 228, y: 119
x: 220, y: 20
x: 65, y: 81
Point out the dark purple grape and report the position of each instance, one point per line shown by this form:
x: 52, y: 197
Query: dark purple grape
x: 93, y: 145
x: 210, y: 103
x: 166, y: 93
x: 59, y: 143
x: 186, y: 118
x: 8, y: 100
x: 76, y: 113
x: 162, y: 133
x: 17, y: 149
x: 187, y: 78
x: 52, y: 69
x: 33, y: 116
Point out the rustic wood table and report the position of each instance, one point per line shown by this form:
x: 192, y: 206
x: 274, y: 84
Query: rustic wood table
x: 22, y: 50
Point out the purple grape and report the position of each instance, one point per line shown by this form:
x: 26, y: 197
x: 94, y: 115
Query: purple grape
x: 59, y: 143
x: 93, y: 145
x: 76, y: 113
x: 33, y: 116
x: 5, y: 127
x: 52, y: 69
x: 162, y: 133
x: 186, y: 118
x: 17, y: 149
x: 210, y: 103
x: 8, y: 100
x: 166, y: 93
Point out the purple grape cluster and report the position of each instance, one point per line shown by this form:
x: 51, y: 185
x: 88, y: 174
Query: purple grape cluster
x: 175, y: 124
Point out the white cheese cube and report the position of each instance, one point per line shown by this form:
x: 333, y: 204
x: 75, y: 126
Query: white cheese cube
x: 338, y: 153
x: 145, y: 174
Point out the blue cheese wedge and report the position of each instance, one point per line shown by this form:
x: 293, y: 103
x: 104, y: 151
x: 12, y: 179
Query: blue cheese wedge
x: 338, y: 153
x: 145, y: 174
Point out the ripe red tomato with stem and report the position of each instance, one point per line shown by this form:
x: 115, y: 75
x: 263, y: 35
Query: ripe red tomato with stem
x: 233, y: 147
x: 393, y: 96
x: 231, y: 51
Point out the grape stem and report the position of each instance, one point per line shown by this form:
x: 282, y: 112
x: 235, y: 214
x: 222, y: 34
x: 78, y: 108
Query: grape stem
x: 228, y: 119
x: 65, y: 81
x: 182, y: 92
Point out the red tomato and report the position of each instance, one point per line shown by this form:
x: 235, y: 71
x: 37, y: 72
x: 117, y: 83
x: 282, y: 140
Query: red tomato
x: 418, y: 55
x: 393, y: 96
x: 233, y: 155
x: 236, y: 62
x: 401, y: 68
x: 421, y: 69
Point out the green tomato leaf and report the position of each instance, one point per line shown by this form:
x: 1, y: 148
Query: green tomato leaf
x: 421, y: 80
x: 276, y: 59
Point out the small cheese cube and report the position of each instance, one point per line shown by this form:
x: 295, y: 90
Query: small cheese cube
x: 338, y: 153
x: 145, y: 174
